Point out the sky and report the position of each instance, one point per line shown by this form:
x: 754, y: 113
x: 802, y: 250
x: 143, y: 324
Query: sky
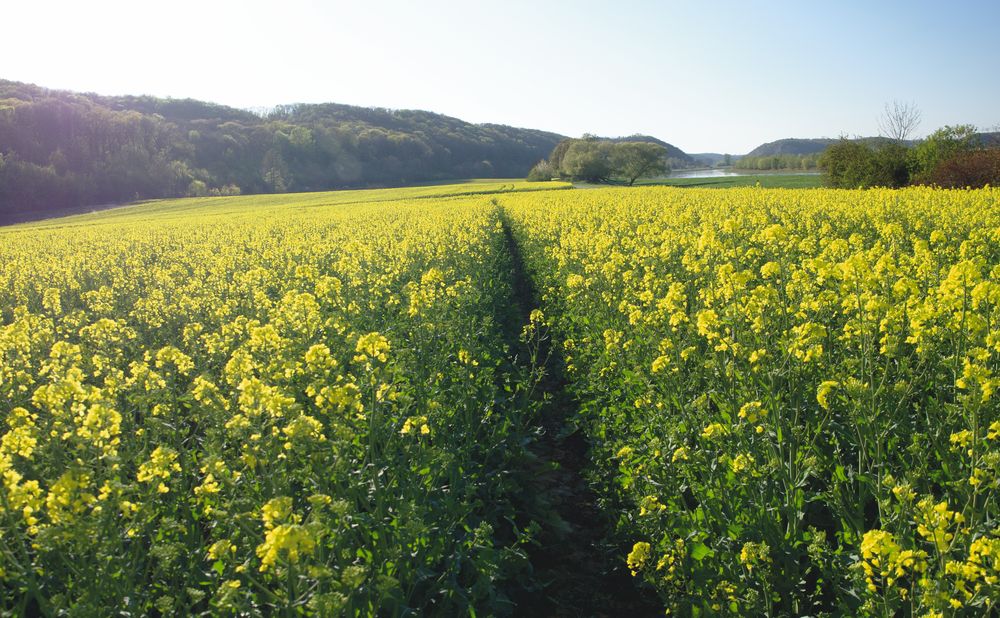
x: 718, y: 76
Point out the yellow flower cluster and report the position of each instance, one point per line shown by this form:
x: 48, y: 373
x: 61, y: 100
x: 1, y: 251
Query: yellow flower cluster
x: 247, y: 381
x: 285, y: 537
x: 936, y: 523
x: 883, y: 560
x: 638, y: 557
x: 755, y: 555
x: 793, y: 353
x: 415, y: 423
x: 168, y: 369
x: 160, y: 467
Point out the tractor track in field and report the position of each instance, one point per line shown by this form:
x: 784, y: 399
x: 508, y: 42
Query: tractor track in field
x: 575, y: 571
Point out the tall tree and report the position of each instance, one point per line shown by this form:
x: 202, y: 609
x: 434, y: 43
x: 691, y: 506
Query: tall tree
x: 633, y: 160
x: 899, y: 120
x: 587, y: 159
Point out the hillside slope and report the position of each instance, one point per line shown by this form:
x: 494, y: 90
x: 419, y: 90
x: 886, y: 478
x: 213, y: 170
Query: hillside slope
x: 808, y: 146
x: 62, y: 149
x: 792, y: 146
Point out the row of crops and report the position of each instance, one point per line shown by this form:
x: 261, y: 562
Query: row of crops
x: 790, y: 395
x: 259, y: 411
x: 314, y: 405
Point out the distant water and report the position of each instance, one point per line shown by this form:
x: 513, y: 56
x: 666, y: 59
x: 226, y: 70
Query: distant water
x: 719, y: 172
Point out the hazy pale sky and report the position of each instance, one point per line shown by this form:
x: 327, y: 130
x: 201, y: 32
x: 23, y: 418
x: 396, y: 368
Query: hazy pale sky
x: 718, y: 76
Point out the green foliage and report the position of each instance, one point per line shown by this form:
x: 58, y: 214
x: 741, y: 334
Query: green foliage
x: 542, y: 171
x: 891, y: 165
x: 851, y: 164
x: 946, y: 158
x: 598, y: 160
x: 634, y: 160
x: 778, y: 162
x: 63, y: 150
x: 940, y: 146
x: 587, y: 159
x: 197, y: 188
x: 974, y: 169
x: 847, y: 164
x: 559, y: 152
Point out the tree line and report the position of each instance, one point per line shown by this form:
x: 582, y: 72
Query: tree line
x: 952, y: 157
x: 791, y: 162
x: 62, y: 150
x: 599, y: 160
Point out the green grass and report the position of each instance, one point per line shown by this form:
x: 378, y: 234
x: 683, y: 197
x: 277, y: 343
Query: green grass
x: 232, y: 205
x: 768, y: 181
x: 238, y: 205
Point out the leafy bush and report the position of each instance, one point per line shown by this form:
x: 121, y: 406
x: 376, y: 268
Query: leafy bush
x: 541, y: 172
x: 968, y: 170
x: 599, y: 160
x: 940, y: 146
x: 847, y: 165
x: 852, y: 164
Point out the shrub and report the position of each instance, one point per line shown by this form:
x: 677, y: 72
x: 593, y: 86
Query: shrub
x: 542, y: 171
x: 940, y: 146
x: 851, y: 164
x: 974, y: 169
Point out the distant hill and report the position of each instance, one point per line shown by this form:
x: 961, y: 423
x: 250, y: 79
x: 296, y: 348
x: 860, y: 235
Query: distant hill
x: 800, y: 146
x: 61, y: 149
x: 809, y: 146
x: 791, y: 146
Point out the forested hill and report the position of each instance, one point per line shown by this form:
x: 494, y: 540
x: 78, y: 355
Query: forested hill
x: 62, y: 150
x: 791, y: 146
x: 800, y: 146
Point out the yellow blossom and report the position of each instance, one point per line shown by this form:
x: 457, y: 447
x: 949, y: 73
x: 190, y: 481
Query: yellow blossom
x: 713, y: 431
x: 638, y: 557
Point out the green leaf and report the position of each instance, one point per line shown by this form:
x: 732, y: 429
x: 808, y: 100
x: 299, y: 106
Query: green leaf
x: 700, y: 551
x: 838, y: 472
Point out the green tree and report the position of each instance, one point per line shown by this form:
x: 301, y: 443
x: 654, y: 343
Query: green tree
x: 541, y: 172
x: 197, y: 188
x: 559, y: 152
x: 633, y: 160
x: 853, y: 164
x: 891, y: 168
x: 847, y: 164
x: 274, y: 171
x: 587, y: 160
x: 940, y: 146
